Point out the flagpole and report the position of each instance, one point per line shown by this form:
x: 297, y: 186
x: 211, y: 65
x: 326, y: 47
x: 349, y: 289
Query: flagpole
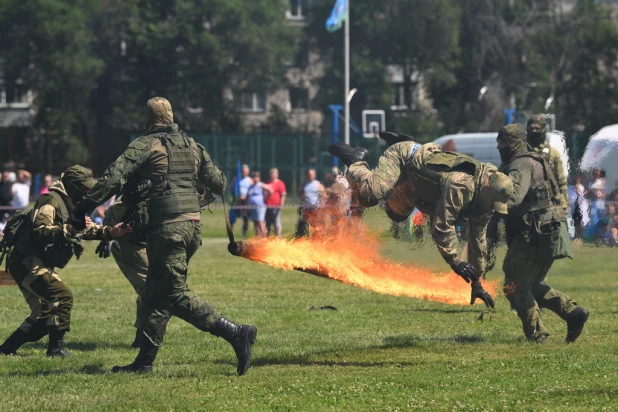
x: 347, y: 74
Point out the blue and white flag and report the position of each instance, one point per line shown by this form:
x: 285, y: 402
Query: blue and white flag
x: 337, y: 16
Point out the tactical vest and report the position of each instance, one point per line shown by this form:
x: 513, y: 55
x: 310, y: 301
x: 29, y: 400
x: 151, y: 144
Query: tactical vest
x: 59, y: 253
x: 427, y: 180
x: 542, y: 194
x: 539, y: 216
x: 174, y: 192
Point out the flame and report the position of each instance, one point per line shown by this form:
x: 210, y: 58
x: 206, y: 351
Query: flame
x: 340, y: 247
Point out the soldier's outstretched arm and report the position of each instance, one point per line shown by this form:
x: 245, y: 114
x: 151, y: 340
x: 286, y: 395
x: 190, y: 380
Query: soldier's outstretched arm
x: 99, y: 232
x: 209, y: 174
x: 118, y: 173
x: 520, y: 172
x: 454, y: 195
x: 477, y: 242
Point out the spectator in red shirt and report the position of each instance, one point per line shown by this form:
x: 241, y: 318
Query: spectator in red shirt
x: 47, y: 181
x: 274, y: 202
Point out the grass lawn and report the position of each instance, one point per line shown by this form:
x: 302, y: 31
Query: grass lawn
x: 375, y: 353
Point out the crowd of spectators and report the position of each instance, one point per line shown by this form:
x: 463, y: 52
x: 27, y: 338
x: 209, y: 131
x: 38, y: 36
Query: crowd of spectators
x: 593, y: 209
x: 15, y: 190
x: 260, y: 202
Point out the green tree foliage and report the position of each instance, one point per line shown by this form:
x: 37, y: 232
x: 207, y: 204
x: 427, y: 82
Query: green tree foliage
x: 414, y: 35
x: 188, y: 51
x: 585, y: 78
x: 45, y: 47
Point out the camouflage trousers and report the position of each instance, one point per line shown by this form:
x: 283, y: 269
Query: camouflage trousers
x: 526, y: 289
x: 131, y: 258
x: 170, y: 247
x: 371, y: 186
x: 390, y: 180
x: 48, y: 297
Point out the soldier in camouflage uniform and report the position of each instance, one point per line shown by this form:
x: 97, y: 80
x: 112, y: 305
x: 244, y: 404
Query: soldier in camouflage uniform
x: 444, y: 185
x: 130, y: 255
x: 537, y: 139
x: 50, y: 243
x: 171, y: 164
x: 536, y: 236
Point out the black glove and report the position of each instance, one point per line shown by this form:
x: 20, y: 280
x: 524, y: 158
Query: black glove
x: 479, y: 293
x: 104, y: 249
x: 466, y: 271
x: 78, y: 217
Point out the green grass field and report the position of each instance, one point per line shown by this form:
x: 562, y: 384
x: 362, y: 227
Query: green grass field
x: 375, y: 353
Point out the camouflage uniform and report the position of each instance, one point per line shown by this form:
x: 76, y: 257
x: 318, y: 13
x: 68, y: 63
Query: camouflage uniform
x: 174, y: 163
x: 527, y: 262
x: 393, y: 179
x: 32, y: 265
x: 131, y: 257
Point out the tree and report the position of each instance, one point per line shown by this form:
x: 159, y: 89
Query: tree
x: 191, y: 52
x: 45, y: 47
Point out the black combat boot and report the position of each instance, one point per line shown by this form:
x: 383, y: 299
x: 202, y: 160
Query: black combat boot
x: 55, y: 348
x: 241, y: 337
x: 144, y: 360
x: 137, y: 343
x: 348, y: 154
x: 575, y: 323
x: 394, y: 138
x: 13, y: 342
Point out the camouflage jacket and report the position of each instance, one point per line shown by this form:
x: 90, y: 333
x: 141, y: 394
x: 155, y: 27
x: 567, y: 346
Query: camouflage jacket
x: 48, y: 227
x: 456, y: 200
x: 148, y: 158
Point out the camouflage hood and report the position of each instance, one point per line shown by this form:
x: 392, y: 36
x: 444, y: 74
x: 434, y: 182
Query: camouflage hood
x: 158, y: 113
x: 77, y: 180
x: 514, y: 136
x: 57, y: 186
x: 501, y: 186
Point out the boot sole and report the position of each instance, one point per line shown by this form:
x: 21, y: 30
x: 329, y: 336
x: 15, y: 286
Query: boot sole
x: 251, y: 337
x: 118, y: 369
x: 577, y: 334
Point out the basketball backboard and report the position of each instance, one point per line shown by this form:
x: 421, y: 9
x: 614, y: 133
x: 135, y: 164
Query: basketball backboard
x: 374, y: 122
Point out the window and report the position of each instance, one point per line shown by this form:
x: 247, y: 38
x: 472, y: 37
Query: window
x: 398, y: 101
x: 299, y: 98
x: 251, y: 102
x: 297, y: 10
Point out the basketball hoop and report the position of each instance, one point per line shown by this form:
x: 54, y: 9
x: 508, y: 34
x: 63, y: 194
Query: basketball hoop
x: 373, y: 123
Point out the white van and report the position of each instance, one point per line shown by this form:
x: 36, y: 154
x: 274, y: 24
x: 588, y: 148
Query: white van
x: 602, y: 153
x: 482, y: 146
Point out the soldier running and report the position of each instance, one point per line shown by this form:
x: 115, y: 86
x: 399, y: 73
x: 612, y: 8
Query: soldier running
x: 172, y: 164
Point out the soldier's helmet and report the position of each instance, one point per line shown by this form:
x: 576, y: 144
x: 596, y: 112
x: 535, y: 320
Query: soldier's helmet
x: 77, y: 181
x: 502, y: 187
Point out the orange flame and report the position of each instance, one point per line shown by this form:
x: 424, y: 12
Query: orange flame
x: 341, y: 248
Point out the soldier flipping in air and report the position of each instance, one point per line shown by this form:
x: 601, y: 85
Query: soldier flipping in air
x: 444, y: 185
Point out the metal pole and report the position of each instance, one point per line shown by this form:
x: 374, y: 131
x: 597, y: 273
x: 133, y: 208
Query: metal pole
x: 347, y: 75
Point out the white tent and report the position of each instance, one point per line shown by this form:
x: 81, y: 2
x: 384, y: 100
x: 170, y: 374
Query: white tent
x: 602, y: 153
